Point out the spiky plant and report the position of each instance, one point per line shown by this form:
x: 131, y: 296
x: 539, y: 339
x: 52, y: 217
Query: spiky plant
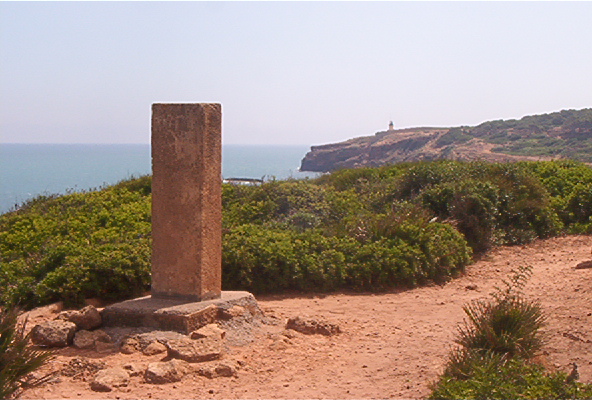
x: 511, y: 326
x: 497, y: 329
x: 17, y: 357
x: 463, y: 363
x: 497, y: 343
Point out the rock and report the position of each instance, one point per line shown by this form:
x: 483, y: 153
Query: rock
x: 226, y: 369
x: 139, y: 342
x: 166, y: 371
x: 108, y: 379
x: 208, y: 315
x: 197, y: 350
x: 87, y: 339
x: 104, y: 347
x: 280, y: 337
x: 311, y: 326
x: 584, y: 265
x: 130, y: 345
x: 80, y: 368
x: 233, y: 312
x: 290, y: 334
x: 154, y: 348
x: 53, y: 333
x: 87, y: 318
x: 36, y: 378
x: 210, y: 330
x: 278, y: 345
x: 133, y: 369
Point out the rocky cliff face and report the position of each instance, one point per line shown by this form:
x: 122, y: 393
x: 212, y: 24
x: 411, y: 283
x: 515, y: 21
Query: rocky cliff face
x: 397, y: 146
x: 566, y: 134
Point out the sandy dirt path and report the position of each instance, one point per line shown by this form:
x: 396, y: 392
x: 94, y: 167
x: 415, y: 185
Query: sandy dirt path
x: 392, y: 345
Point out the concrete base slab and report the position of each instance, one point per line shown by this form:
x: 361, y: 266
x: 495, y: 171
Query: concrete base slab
x: 177, y: 315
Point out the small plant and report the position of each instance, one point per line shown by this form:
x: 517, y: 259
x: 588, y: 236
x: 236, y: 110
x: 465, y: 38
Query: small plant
x: 508, y: 325
x: 17, y: 358
x: 497, y: 342
x: 514, y: 379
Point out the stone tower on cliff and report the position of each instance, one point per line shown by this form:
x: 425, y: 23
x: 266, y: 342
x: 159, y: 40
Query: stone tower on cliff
x: 391, y: 126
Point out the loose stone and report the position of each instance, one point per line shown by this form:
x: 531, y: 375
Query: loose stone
x: 87, y: 339
x: 53, y: 333
x: 166, y: 371
x: 108, y: 379
x: 154, y: 348
x: 311, y: 326
x: 209, y: 331
x: 193, y: 351
x: 87, y: 318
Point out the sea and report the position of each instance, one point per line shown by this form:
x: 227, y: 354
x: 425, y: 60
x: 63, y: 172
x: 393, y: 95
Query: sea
x: 30, y: 170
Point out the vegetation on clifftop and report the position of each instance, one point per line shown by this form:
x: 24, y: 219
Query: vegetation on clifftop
x: 361, y: 229
x: 565, y: 134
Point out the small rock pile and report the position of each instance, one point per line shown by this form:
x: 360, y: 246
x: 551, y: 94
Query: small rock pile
x: 199, y: 353
x: 71, y: 327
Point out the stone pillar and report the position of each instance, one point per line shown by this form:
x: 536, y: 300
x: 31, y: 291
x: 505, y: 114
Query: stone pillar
x: 187, y: 201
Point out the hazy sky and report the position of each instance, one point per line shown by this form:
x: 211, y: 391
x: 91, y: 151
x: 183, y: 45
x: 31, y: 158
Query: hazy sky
x: 286, y: 72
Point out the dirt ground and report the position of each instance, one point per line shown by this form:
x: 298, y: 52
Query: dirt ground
x: 392, y: 345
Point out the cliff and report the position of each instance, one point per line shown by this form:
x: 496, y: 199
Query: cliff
x: 564, y: 134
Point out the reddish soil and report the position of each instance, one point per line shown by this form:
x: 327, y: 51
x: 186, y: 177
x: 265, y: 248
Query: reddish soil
x: 393, y: 345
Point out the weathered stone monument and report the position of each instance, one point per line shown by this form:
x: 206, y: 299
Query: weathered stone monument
x: 187, y: 201
x: 186, y: 227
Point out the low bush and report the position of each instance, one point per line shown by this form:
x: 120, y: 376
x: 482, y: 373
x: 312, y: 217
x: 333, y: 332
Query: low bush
x: 577, y: 211
x: 272, y: 260
x: 77, y: 246
x: 491, y: 204
x: 497, y: 343
x: 472, y: 206
x: 516, y: 378
x: 569, y: 184
x: 508, y: 324
x: 366, y: 229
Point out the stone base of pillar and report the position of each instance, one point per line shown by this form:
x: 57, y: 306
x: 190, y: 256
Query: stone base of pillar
x: 179, y: 315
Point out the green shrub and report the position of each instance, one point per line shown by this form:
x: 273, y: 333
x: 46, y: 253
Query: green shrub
x: 366, y: 229
x: 497, y: 342
x: 560, y: 176
x: 263, y: 259
x: 491, y: 204
x: 110, y: 272
x: 17, y: 358
x: 472, y: 206
x: 301, y: 202
x: 76, y: 246
x: 578, y: 206
x: 508, y: 324
x: 422, y: 176
x: 453, y: 136
x: 493, y: 378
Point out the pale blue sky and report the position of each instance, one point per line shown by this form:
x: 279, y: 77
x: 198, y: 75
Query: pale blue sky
x: 286, y: 72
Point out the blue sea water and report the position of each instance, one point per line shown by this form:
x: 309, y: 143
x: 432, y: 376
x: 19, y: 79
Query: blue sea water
x: 29, y: 170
